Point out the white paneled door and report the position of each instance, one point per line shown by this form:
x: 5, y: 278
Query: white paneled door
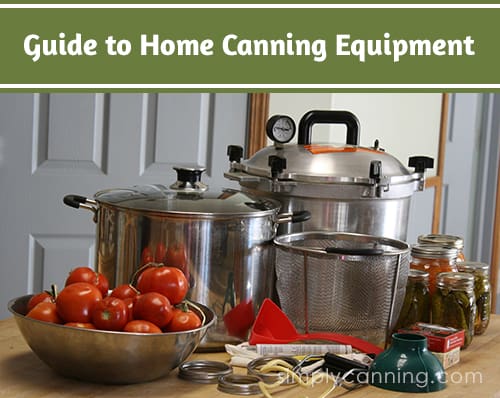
x: 52, y: 144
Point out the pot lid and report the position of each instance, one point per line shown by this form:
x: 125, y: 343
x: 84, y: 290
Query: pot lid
x: 328, y: 163
x: 188, y: 196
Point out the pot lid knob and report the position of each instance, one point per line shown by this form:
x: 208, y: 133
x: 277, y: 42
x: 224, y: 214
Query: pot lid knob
x: 420, y: 163
x: 235, y: 153
x: 277, y: 164
x: 376, y: 170
x: 189, y: 179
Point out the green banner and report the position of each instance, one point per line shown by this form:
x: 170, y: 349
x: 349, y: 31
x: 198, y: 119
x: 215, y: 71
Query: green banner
x: 249, y: 46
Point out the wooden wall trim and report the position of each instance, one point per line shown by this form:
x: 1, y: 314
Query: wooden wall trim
x: 431, y: 182
x: 437, y: 181
x: 257, y: 118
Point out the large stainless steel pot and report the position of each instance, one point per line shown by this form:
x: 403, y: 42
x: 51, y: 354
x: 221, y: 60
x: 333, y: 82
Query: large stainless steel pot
x: 224, y: 240
x: 346, y: 187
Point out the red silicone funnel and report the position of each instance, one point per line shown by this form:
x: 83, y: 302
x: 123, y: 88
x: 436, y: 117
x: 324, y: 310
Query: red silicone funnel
x: 272, y: 326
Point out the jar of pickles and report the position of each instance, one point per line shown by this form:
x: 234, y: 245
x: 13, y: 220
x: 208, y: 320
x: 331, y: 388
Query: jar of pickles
x: 417, y: 304
x: 454, y: 304
x: 482, y: 292
x: 444, y: 241
x: 434, y: 260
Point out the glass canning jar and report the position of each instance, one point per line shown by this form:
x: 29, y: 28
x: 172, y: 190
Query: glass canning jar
x: 482, y: 292
x: 454, y: 304
x: 434, y: 260
x: 445, y: 241
x: 417, y: 304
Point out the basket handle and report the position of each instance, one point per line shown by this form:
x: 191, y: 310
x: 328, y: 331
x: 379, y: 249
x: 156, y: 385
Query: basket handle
x: 355, y: 252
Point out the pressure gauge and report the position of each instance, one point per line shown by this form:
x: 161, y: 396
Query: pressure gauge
x: 280, y: 128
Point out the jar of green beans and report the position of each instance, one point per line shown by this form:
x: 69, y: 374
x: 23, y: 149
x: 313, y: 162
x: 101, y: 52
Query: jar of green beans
x: 454, y: 304
x: 482, y: 292
x: 417, y: 303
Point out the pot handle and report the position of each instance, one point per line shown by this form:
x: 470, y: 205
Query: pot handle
x: 372, y: 251
x: 294, y: 217
x: 78, y: 201
x: 328, y: 117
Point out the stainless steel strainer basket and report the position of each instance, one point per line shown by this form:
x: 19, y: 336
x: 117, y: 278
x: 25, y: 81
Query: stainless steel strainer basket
x: 342, y: 282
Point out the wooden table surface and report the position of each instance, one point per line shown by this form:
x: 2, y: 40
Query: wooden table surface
x: 22, y: 374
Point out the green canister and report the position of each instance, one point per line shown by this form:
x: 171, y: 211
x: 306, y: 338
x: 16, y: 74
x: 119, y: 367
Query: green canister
x: 482, y: 292
x: 454, y: 303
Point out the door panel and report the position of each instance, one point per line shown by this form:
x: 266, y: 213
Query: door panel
x: 70, y: 133
x: 48, y: 252
x: 53, y: 144
x: 175, y: 131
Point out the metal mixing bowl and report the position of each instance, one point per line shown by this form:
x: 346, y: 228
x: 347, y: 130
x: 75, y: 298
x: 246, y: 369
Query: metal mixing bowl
x: 104, y: 356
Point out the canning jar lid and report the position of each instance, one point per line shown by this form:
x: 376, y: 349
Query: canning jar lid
x: 442, y: 240
x: 254, y: 366
x: 455, y: 280
x: 418, y: 275
x: 239, y: 384
x: 203, y: 371
x: 473, y: 266
x: 434, y: 252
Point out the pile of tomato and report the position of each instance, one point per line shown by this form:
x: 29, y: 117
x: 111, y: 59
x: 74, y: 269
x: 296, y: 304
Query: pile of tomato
x: 154, y: 304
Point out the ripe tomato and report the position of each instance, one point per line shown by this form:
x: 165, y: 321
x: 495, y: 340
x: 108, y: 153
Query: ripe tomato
x: 82, y: 325
x: 147, y: 256
x: 111, y: 313
x: 102, y: 284
x: 169, y: 281
x: 87, y: 274
x: 39, y: 298
x: 160, y: 253
x: 176, y: 256
x: 183, y: 319
x: 140, y: 326
x: 124, y: 291
x: 45, y: 311
x: 76, y: 302
x: 153, y: 307
x: 129, y: 302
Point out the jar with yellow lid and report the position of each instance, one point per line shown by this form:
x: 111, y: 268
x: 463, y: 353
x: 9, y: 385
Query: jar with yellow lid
x: 417, y: 303
x: 482, y: 292
x: 445, y: 241
x: 434, y: 260
x: 454, y: 304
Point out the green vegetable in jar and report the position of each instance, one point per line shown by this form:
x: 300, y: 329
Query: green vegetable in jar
x: 483, y: 306
x: 416, y: 304
x: 482, y: 293
x: 454, y: 304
